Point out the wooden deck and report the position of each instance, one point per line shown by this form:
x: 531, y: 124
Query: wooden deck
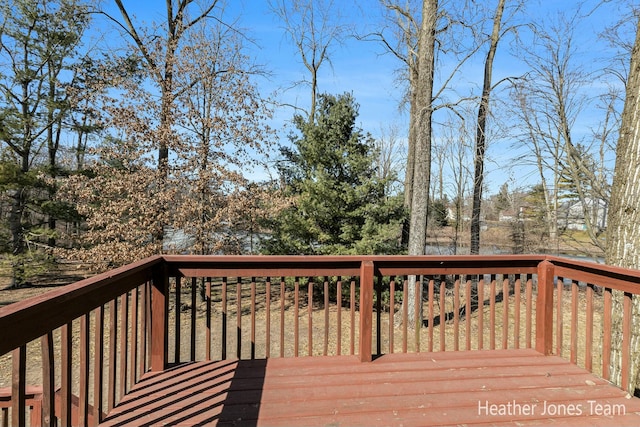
x: 121, y: 330
x: 501, y: 387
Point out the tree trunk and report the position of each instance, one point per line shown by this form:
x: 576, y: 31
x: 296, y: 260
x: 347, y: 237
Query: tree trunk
x: 422, y: 154
x: 483, y: 112
x: 623, y: 231
x: 408, y: 178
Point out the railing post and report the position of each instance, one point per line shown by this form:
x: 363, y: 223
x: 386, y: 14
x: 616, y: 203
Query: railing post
x: 366, y: 309
x: 159, y: 321
x: 544, y: 308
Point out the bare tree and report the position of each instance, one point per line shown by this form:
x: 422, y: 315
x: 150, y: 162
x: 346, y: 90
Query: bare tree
x: 402, y: 42
x: 458, y: 154
x: 222, y: 117
x: 215, y: 126
x: 549, y: 102
x: 445, y: 34
x: 391, y: 159
x: 422, y: 149
x: 543, y: 151
x: 158, y: 49
x: 483, y: 112
x: 314, y: 27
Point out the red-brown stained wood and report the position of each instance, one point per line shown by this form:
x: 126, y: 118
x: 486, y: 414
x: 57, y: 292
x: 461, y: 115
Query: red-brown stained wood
x: 392, y: 304
x: 83, y: 396
x: 366, y: 307
x: 98, y: 364
x: 253, y: 317
x: 113, y: 336
x: 144, y: 338
x: 296, y: 316
x: 96, y: 292
x: 456, y: 314
x: 239, y: 318
x: 325, y: 348
x: 352, y: 308
x: 339, y: 317
x: 48, y: 380
x: 282, y: 294
x: 405, y: 314
x: 516, y: 312
x: 588, y: 351
x: 177, y: 324
x: 559, y: 315
x: 492, y: 313
x: 544, y: 308
x: 481, y: 313
x: 417, y: 309
x: 378, y: 328
x: 310, y: 316
x: 194, y: 285
x: 268, y: 319
x: 159, y: 312
x: 449, y: 388
x: 224, y: 314
x: 606, y: 333
x: 18, y: 386
x: 430, y: 315
x: 505, y: 311
x: 207, y: 296
x: 443, y: 293
x: 133, y: 338
x: 574, y: 322
x: 66, y: 344
x: 468, y: 313
x: 124, y: 347
x: 529, y: 309
x: 146, y: 329
x: 626, y: 340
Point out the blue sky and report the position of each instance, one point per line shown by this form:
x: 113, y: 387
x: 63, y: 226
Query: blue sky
x: 363, y: 69
x: 356, y: 66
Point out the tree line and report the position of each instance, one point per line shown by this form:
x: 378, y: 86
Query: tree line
x: 109, y: 151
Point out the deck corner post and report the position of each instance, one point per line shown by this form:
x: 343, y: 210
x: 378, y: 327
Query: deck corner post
x: 159, y: 321
x: 366, y: 310
x: 544, y: 308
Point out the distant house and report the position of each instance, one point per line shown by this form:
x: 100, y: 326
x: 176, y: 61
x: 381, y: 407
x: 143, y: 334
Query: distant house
x: 571, y: 215
x: 512, y: 214
x: 509, y: 215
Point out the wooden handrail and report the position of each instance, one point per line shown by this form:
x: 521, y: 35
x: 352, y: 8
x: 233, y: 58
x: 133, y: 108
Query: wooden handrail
x: 32, y: 318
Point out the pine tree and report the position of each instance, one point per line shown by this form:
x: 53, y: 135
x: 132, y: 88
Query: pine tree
x: 338, y: 205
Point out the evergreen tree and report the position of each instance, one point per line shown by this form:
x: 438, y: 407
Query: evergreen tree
x: 338, y: 205
x: 39, y: 45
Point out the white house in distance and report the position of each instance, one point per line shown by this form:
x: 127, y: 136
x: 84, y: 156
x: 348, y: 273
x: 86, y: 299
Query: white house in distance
x: 571, y: 215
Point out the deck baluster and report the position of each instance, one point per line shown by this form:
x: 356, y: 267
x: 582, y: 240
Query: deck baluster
x: 366, y: 310
x: 606, y: 333
x: 544, y: 308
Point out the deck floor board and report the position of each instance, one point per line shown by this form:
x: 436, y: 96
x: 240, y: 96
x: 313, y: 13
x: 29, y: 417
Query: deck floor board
x: 490, y: 387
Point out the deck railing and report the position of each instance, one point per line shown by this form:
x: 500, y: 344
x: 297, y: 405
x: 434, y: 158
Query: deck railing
x: 73, y: 353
